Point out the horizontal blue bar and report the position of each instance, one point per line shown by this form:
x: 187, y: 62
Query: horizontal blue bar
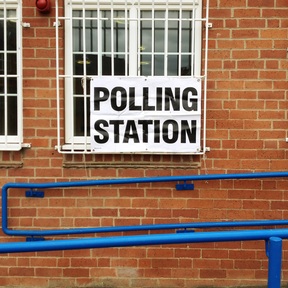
x: 152, y: 227
x: 147, y: 180
x: 143, y: 240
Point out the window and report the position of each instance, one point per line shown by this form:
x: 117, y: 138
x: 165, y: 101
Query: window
x: 145, y: 38
x: 10, y: 80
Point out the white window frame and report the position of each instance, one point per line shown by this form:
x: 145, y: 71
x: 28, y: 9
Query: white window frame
x: 9, y: 142
x: 74, y: 144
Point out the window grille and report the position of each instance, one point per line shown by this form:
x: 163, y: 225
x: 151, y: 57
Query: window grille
x: 124, y: 38
x: 10, y: 76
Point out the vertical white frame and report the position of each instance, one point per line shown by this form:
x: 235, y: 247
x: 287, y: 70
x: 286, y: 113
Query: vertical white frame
x: 7, y: 142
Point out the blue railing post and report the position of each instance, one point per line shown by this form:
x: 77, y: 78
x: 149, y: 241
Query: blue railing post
x: 274, y: 253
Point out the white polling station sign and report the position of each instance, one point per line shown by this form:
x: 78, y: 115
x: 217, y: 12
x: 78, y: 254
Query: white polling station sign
x: 145, y: 114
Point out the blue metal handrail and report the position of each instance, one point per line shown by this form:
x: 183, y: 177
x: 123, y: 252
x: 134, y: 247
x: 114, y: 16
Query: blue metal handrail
x: 123, y: 181
x: 272, y: 237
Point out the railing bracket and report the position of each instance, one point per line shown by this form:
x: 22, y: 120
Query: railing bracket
x: 184, y: 186
x: 34, y: 194
x: 33, y: 239
x: 185, y: 230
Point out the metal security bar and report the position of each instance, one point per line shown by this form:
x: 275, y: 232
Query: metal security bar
x: 10, y: 76
x: 124, y: 38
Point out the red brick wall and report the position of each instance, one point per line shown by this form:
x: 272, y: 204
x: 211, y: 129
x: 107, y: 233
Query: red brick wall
x: 246, y: 131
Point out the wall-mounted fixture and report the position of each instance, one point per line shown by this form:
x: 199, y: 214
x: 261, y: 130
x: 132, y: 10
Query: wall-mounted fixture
x: 43, y: 6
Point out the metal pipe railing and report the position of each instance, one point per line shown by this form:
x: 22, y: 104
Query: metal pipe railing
x: 123, y: 181
x: 143, y: 240
x: 272, y: 237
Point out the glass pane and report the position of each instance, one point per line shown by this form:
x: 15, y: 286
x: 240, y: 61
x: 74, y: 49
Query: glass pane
x: 91, y: 31
x: 91, y: 64
x: 12, y: 85
x: 185, y: 65
x: 1, y: 31
x: 11, y: 36
x: 159, y: 31
x: 186, y: 39
x: 172, y: 65
x: 12, y: 115
x: 11, y: 63
x: 146, y: 32
x: 145, y: 65
x: 79, y: 116
x: 2, y: 66
x: 1, y: 85
x: 77, y: 31
x: 77, y: 86
x: 77, y: 36
x: 159, y: 65
x: 2, y: 115
x: 119, y: 31
x: 78, y: 63
x: 119, y: 65
x: 106, y: 32
x: 173, y: 32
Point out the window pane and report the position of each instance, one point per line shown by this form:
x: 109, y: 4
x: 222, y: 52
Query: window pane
x: 1, y: 85
x: 77, y: 86
x: 11, y: 36
x: 2, y: 63
x: 145, y: 65
x: 12, y: 115
x: 186, y: 38
x: 159, y: 36
x: 106, y: 32
x: 1, y: 31
x: 185, y: 65
x: 172, y: 65
x: 173, y: 32
x: 91, y: 35
x: 159, y: 65
x: 2, y: 115
x: 119, y: 31
x: 12, y: 85
x: 77, y: 36
x: 146, y: 32
x: 119, y: 65
x: 80, y: 119
x: 12, y: 63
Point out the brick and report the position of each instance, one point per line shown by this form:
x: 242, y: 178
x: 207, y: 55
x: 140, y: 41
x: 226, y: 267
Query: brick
x: 212, y: 273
